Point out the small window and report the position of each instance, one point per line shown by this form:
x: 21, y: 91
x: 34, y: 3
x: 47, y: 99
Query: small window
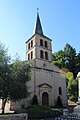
x: 31, y: 43
x: 41, y: 42
x: 60, y: 91
x: 46, y: 55
x: 41, y: 54
x: 28, y: 56
x: 46, y: 45
x: 28, y: 46
x: 31, y: 54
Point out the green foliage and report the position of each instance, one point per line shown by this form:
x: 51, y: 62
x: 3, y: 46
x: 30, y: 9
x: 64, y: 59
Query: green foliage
x: 72, y: 87
x: 67, y: 59
x: 57, y: 58
x: 78, y: 63
x: 59, y: 102
x: 72, y: 90
x: 4, y: 58
x: 13, y: 78
x: 70, y: 58
x: 69, y: 51
x: 35, y: 100
x: 20, y: 71
x: 40, y: 112
x: 70, y: 64
x: 69, y: 76
x: 20, y: 75
x: 4, y: 74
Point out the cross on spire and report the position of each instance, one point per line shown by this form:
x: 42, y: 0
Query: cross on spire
x: 37, y: 10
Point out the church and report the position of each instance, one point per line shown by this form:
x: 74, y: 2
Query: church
x: 47, y: 80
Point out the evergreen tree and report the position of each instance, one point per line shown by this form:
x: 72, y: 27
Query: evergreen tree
x: 59, y: 102
x: 35, y: 100
x: 57, y: 59
x: 70, y: 58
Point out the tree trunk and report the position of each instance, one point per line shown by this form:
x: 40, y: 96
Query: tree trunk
x: 3, y: 105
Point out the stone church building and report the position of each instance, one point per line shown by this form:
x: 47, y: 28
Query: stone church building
x: 47, y: 80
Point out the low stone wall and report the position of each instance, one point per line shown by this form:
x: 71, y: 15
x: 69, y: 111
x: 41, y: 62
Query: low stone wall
x: 23, y: 116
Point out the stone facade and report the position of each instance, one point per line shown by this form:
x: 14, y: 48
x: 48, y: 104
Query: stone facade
x: 48, y: 79
x: 14, y: 117
x: 36, y: 48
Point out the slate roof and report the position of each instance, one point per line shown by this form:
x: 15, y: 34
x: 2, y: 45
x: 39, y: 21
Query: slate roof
x: 38, y: 27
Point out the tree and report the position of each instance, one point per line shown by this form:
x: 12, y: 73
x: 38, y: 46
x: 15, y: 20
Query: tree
x: 4, y: 71
x: 69, y: 61
x: 35, y: 100
x: 72, y: 90
x: 4, y: 58
x: 69, y: 76
x: 78, y: 63
x: 70, y: 58
x: 57, y: 59
x: 67, y: 58
x: 72, y: 86
x: 13, y: 78
x: 59, y: 102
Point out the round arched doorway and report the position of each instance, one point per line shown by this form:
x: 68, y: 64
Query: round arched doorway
x: 45, y: 99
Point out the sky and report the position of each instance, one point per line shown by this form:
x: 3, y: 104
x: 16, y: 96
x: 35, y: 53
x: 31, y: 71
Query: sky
x: 60, y: 21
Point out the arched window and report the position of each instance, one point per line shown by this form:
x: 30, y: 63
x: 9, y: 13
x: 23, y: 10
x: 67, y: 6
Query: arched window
x: 46, y: 55
x: 31, y: 43
x: 41, y: 54
x: 31, y: 54
x: 60, y: 91
x: 28, y: 46
x: 41, y: 42
x: 45, y: 43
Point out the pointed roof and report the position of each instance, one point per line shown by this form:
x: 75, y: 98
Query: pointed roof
x: 38, y: 27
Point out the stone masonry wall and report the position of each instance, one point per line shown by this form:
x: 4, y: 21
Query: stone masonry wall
x: 14, y: 117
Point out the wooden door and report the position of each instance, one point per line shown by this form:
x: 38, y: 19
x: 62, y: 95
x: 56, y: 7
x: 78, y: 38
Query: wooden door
x: 45, y: 99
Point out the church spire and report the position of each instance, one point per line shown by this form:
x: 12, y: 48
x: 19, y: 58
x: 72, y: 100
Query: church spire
x: 38, y: 27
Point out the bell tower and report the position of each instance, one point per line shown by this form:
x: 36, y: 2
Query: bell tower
x: 38, y: 46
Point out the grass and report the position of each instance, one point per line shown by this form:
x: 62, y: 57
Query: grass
x: 37, y: 112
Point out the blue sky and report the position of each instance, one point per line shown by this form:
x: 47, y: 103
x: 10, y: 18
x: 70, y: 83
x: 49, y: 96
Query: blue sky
x: 60, y: 21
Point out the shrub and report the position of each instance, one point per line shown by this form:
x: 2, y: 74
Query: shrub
x: 35, y: 100
x: 59, y: 102
x: 40, y: 112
